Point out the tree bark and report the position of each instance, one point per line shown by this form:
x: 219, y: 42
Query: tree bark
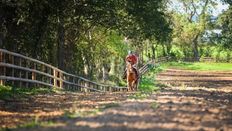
x: 168, y: 48
x: 153, y: 51
x: 60, y: 46
x: 195, y: 49
x: 1, y: 40
x: 105, y: 72
x: 164, y: 52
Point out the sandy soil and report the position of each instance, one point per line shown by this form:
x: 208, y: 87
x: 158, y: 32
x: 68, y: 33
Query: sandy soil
x: 190, y: 100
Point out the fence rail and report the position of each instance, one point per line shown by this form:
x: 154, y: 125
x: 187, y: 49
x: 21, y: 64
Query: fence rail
x: 150, y: 63
x: 23, y: 71
x: 19, y: 70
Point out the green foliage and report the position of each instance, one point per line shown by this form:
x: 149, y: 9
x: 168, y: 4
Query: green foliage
x: 200, y: 66
x: 190, y: 22
x: 110, y: 105
x: 8, y: 92
x: 154, y: 105
x: 81, y: 37
x: 76, y: 113
x: 147, y: 83
x: 140, y: 95
x: 34, y: 123
x: 225, y: 22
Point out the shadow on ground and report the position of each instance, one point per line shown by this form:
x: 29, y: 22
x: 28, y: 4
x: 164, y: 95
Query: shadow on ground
x: 186, y: 107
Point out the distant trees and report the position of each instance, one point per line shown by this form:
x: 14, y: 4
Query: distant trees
x: 190, y: 23
x: 225, y: 22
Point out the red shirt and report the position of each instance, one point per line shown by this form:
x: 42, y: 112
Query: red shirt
x: 132, y: 58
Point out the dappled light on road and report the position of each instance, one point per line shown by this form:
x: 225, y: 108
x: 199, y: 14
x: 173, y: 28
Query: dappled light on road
x: 183, y: 104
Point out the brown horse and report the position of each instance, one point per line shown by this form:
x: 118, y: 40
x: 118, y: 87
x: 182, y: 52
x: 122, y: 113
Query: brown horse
x: 132, y: 77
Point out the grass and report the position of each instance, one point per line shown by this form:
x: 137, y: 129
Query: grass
x: 147, y: 84
x: 154, y: 105
x: 8, y: 92
x: 139, y: 95
x: 75, y: 112
x: 199, y: 66
x: 34, y: 123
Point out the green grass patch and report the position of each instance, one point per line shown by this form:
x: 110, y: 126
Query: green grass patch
x: 8, y: 92
x: 109, y: 105
x: 76, y: 113
x: 139, y: 95
x: 148, y: 82
x: 154, y: 105
x: 199, y: 66
x: 34, y: 123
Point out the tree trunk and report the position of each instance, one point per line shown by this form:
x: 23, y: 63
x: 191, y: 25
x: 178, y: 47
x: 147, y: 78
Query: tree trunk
x: 168, y: 48
x: 195, y: 49
x: 1, y: 40
x: 153, y: 52
x: 105, y: 72
x: 228, y: 56
x: 164, y: 52
x: 60, y: 46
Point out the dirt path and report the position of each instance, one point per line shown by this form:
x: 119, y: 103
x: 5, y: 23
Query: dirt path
x: 191, y: 101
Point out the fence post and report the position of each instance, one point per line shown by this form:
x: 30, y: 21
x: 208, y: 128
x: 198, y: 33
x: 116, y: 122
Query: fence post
x: 27, y: 73
x: 20, y: 72
x: 103, y: 88
x: 61, y: 79
x: 1, y: 68
x: 74, y: 81
x: 12, y: 62
x: 33, y: 76
x: 54, y: 79
x: 79, y: 84
x: 86, y: 85
x: 43, y: 69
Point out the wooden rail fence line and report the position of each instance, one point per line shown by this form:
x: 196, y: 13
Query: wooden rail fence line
x: 152, y: 63
x: 22, y: 71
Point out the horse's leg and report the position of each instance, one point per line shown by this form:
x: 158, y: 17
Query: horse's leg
x: 131, y: 85
x: 136, y: 84
x: 128, y: 85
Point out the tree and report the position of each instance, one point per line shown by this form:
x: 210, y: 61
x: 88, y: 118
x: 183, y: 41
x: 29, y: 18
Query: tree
x: 195, y: 20
x: 226, y: 27
x: 76, y: 35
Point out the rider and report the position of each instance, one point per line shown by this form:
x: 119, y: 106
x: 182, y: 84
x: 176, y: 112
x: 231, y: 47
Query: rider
x: 133, y: 59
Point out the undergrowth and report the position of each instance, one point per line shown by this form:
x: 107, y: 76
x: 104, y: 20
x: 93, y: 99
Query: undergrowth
x: 9, y: 92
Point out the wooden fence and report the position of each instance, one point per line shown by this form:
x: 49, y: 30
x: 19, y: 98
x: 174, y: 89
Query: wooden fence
x: 22, y: 71
x: 151, y: 63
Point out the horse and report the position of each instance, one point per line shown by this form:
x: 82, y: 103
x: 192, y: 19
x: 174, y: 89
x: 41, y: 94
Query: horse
x: 132, y: 77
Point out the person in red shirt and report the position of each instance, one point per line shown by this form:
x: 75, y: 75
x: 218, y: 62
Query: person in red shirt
x: 133, y: 59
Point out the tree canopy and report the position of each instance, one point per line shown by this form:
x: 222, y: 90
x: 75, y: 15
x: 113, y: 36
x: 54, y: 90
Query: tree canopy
x: 92, y: 37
